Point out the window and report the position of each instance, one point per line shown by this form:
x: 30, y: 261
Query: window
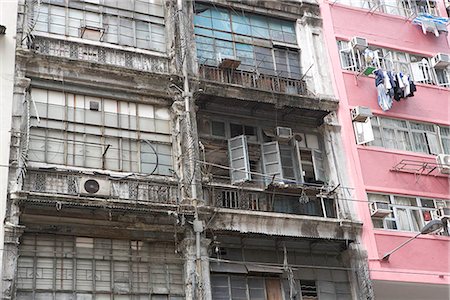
x: 405, y: 8
x: 409, y: 136
x: 84, y: 268
x: 137, y: 24
x: 84, y: 131
x: 445, y: 136
x: 292, y: 162
x: 252, y: 149
x: 309, y: 290
x: 239, y: 161
x: 238, y: 286
x: 408, y: 213
x: 250, y: 38
x: 418, y: 67
x: 443, y: 77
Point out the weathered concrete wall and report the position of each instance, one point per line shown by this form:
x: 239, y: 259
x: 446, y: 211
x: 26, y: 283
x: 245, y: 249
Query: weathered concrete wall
x: 8, y: 18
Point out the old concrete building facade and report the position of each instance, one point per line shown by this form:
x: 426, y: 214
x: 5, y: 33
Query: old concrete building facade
x: 177, y: 150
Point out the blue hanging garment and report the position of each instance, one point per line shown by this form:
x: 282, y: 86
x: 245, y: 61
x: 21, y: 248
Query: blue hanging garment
x: 431, y: 23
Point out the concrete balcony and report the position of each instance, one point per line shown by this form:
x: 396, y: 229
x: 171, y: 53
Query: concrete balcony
x: 69, y: 186
x: 235, y: 86
x: 267, y: 212
x: 253, y: 80
x: 135, y: 60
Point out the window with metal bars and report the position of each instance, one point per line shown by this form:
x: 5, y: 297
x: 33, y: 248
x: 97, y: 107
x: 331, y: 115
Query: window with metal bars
x: 61, y: 267
x: 137, y: 23
x: 78, y: 130
x: 417, y: 66
x: 405, y: 8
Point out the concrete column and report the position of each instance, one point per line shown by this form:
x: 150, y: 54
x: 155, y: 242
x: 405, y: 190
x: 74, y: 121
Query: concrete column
x: 337, y: 165
x: 8, y: 18
x: 13, y: 232
x: 19, y: 125
x: 360, y: 281
x: 196, y: 273
x: 206, y: 279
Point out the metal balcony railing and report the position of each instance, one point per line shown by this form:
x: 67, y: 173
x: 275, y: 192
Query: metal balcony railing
x: 242, y: 199
x: 99, y: 54
x: 404, y: 8
x: 58, y: 183
x: 253, y: 80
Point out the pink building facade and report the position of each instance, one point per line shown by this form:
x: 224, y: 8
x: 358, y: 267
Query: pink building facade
x: 396, y: 166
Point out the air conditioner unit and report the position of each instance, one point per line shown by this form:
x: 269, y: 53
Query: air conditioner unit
x: 379, y: 209
x: 443, y: 161
x: 440, y: 60
x: 284, y: 132
x: 361, y: 113
x: 358, y: 43
x: 95, y: 187
x: 444, y: 212
x: 228, y: 62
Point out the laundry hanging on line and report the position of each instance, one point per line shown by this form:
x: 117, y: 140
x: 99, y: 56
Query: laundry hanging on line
x: 392, y: 86
x: 430, y: 23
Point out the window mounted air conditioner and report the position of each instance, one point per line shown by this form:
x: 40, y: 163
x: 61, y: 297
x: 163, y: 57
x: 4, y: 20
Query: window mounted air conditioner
x: 440, y: 60
x: 358, y: 43
x: 361, y: 113
x: 444, y: 212
x: 379, y: 209
x: 284, y: 132
x: 443, y: 161
x: 95, y: 187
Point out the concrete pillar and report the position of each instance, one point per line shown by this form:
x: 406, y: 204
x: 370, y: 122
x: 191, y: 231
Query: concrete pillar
x: 360, y: 281
x: 337, y: 165
x: 196, y: 273
x: 19, y: 127
x: 8, y: 18
x: 13, y: 232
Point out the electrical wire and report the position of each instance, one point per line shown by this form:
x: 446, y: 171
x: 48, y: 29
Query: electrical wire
x: 297, y: 266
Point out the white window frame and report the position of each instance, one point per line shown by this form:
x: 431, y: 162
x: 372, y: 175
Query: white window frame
x: 255, y: 140
x: 394, y: 216
x: 391, y: 60
x: 377, y: 126
x: 404, y: 8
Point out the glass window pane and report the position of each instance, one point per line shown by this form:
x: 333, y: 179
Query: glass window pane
x: 403, y: 141
x: 393, y: 123
x: 417, y: 223
x: 391, y: 224
x: 378, y: 198
x: 218, y: 128
x: 389, y: 140
x: 427, y: 203
x: 377, y: 223
x: 407, y: 201
x: 402, y: 218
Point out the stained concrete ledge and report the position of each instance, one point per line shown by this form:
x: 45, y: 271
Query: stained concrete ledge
x: 244, y: 221
x: 232, y: 91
